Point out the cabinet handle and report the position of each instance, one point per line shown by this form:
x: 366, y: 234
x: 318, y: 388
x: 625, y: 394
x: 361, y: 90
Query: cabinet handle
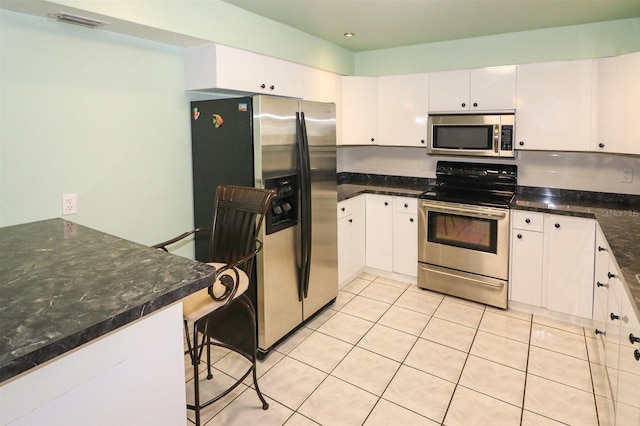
x: 406, y: 205
x: 411, y: 220
x: 557, y: 225
x: 599, y: 284
x: 633, y: 339
x: 600, y: 332
x: 519, y: 236
x: 463, y: 105
x: 614, y: 316
x: 527, y: 220
x: 386, y: 203
x: 350, y: 220
x: 636, y: 355
x: 601, y: 145
x: 602, y: 248
x: 610, y: 275
x: 373, y: 139
x: 262, y: 86
x: 343, y: 209
x: 272, y: 87
x: 475, y: 104
x: 421, y: 140
x: 521, y: 143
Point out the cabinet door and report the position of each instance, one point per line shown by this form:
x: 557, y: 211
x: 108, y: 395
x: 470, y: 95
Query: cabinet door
x: 321, y: 86
x: 379, y: 231
x: 283, y: 78
x: 345, y: 244
x: 526, y: 267
x: 570, y: 254
x: 618, y: 104
x: 240, y: 70
x: 628, y: 396
x: 612, y: 340
x: 405, y: 236
x: 449, y: 91
x: 554, y: 106
x: 359, y: 110
x: 403, y: 107
x: 493, y: 88
x: 601, y: 280
x: 358, y: 249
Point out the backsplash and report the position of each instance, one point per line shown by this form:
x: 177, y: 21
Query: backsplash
x: 582, y: 171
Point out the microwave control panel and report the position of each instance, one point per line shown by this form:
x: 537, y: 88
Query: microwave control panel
x: 506, y: 138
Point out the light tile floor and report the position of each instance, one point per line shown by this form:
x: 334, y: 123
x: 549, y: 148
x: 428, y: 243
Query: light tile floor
x: 389, y: 353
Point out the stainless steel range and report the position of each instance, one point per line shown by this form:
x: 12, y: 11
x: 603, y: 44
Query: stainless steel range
x: 464, y: 231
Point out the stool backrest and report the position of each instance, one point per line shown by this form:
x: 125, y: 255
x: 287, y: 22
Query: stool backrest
x: 238, y: 213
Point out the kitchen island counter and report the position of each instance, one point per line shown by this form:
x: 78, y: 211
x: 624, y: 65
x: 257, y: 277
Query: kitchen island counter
x: 64, y: 285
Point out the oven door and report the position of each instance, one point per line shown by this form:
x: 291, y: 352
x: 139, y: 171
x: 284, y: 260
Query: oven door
x: 468, y: 238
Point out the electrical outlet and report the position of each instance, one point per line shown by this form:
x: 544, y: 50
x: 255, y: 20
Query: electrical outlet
x: 424, y: 165
x: 627, y: 175
x: 69, y: 204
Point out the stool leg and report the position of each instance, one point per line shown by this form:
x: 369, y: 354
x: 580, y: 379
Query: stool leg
x: 249, y: 306
x: 195, y: 360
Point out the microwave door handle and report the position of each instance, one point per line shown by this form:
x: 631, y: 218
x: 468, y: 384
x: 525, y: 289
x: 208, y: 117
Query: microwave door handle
x: 496, y: 138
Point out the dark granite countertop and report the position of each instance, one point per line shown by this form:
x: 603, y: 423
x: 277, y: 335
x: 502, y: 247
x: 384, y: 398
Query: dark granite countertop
x: 617, y: 214
x: 63, y: 285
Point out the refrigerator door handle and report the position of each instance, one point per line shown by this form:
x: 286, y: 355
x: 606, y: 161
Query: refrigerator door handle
x: 307, y: 209
x: 304, y: 258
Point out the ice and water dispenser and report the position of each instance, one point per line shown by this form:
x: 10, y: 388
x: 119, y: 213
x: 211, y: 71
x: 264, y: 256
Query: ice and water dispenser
x: 284, y: 206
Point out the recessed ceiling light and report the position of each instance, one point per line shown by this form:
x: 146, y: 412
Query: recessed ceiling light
x: 349, y: 34
x: 77, y: 20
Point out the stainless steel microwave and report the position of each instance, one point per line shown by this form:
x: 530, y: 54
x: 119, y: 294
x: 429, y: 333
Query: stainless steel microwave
x: 481, y: 135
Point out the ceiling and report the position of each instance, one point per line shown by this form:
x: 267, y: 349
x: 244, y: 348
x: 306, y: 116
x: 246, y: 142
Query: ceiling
x: 381, y: 24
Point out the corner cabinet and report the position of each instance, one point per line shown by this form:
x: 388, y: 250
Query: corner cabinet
x: 481, y: 89
x: 552, y: 262
x: 554, y: 106
x: 359, y: 110
x: 351, y: 238
x: 618, y: 104
x: 221, y: 68
x: 403, y: 108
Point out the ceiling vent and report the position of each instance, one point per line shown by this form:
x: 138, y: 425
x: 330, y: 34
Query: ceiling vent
x: 77, y: 20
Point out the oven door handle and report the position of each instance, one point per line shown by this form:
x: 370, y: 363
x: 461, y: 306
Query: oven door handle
x: 466, y: 211
x: 471, y: 279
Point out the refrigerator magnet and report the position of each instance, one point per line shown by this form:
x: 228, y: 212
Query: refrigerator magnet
x: 196, y: 113
x: 217, y: 120
x: 242, y: 107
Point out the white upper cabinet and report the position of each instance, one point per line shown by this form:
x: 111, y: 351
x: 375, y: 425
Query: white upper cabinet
x: 554, y: 106
x: 618, y: 105
x: 222, y: 68
x: 403, y: 107
x: 359, y: 110
x: 322, y: 86
x: 481, y: 89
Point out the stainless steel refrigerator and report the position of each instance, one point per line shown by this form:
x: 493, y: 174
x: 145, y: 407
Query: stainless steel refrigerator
x: 290, y: 146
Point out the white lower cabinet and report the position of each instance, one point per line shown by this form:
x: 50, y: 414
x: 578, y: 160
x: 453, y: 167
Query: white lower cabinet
x: 552, y: 262
x: 570, y: 245
x: 405, y: 236
x: 351, y: 238
x: 392, y: 233
x: 379, y: 231
x: 527, y: 248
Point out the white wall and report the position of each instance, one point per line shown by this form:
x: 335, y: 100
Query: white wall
x: 98, y: 114
x: 568, y: 170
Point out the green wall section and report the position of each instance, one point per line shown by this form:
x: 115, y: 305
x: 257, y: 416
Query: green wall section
x: 98, y: 114
x: 575, y: 42
x: 220, y: 22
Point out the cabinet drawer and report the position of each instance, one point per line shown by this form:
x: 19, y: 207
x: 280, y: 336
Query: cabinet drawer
x: 344, y: 208
x: 405, y: 205
x: 531, y: 221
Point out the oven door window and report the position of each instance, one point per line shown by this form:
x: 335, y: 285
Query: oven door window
x: 463, y: 231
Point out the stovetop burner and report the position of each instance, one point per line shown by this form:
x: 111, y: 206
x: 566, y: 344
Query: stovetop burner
x: 474, y: 183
